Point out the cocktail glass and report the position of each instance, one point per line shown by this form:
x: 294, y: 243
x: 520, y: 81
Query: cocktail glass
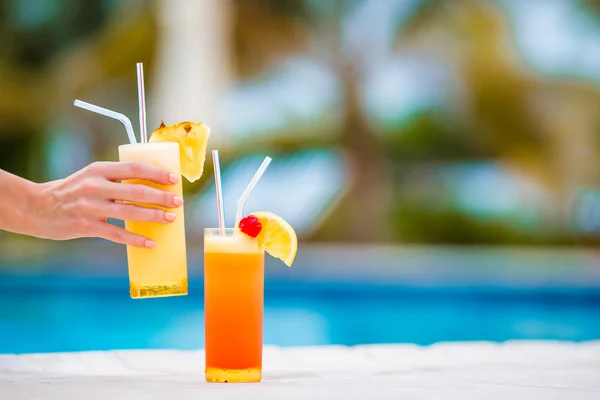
x: 233, y: 306
x: 161, y: 271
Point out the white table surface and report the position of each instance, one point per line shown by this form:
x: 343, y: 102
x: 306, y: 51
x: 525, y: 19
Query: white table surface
x: 476, y: 370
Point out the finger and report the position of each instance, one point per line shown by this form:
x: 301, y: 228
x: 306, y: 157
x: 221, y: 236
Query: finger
x: 119, y: 235
x: 118, y: 171
x: 131, y: 212
x: 142, y: 194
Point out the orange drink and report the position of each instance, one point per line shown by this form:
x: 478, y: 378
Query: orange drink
x: 233, y: 306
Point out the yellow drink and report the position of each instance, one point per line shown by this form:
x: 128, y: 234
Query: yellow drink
x: 161, y: 271
x: 233, y: 306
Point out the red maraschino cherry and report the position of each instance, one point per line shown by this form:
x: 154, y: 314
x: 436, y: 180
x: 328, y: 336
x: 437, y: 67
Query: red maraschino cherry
x: 250, y: 225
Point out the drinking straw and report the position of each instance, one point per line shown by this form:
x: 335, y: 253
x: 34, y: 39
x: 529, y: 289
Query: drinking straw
x: 217, y: 167
x: 249, y: 188
x: 142, y: 102
x: 111, y: 114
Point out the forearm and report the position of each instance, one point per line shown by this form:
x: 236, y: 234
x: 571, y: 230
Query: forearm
x: 80, y: 204
x: 17, y: 211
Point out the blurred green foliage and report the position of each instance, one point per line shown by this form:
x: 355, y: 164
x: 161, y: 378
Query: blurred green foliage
x: 430, y: 137
x: 543, y: 128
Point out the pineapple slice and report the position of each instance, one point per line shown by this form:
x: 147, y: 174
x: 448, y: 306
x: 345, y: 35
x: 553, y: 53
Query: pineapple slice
x: 192, y: 138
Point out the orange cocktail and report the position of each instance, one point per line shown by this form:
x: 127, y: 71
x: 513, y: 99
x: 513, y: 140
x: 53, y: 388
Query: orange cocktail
x: 233, y: 306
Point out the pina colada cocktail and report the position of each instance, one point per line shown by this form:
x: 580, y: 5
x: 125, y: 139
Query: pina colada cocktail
x: 161, y: 271
x: 180, y: 149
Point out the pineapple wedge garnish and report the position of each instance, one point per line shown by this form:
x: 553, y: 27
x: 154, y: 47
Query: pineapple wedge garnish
x: 193, y: 139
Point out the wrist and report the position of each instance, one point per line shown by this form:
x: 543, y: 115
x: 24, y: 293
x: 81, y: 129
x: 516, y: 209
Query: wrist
x: 25, y: 208
x: 37, y: 205
x: 21, y: 205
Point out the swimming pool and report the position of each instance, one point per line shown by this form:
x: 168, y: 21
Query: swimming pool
x: 52, y: 310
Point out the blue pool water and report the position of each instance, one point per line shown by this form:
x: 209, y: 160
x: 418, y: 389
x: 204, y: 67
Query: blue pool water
x: 52, y: 313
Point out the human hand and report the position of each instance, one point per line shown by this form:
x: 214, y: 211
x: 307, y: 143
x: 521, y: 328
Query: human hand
x: 79, y: 205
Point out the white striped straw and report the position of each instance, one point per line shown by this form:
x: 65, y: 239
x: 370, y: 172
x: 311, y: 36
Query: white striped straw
x: 111, y: 114
x: 250, y: 188
x: 142, y: 102
x: 220, y: 212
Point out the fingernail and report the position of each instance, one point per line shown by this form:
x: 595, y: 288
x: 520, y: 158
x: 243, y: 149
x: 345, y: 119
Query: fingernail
x: 177, y: 200
x: 169, y: 216
x: 150, y: 244
x: 173, y: 178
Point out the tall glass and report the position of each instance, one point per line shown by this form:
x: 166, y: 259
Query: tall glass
x: 161, y: 271
x: 233, y: 306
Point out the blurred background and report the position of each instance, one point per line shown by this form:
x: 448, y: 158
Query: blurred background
x: 439, y: 160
